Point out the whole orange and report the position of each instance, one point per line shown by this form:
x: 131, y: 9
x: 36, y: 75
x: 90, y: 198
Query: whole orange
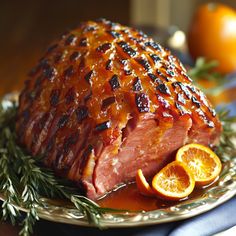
x: 212, y: 34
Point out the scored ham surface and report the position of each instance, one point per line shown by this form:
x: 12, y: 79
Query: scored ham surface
x: 106, y: 100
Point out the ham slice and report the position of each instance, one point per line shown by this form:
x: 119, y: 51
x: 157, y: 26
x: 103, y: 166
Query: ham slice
x: 106, y: 100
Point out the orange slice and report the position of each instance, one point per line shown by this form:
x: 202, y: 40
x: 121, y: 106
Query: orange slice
x: 202, y: 161
x: 142, y: 184
x: 174, y: 182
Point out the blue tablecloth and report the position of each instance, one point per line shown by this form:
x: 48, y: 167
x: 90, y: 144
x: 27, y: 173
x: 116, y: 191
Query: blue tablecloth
x: 214, y: 221
x: 211, y: 222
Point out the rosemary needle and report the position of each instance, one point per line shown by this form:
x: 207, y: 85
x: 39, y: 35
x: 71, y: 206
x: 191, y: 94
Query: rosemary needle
x: 24, y: 181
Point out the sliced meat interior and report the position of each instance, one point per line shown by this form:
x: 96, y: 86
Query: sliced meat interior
x: 106, y: 100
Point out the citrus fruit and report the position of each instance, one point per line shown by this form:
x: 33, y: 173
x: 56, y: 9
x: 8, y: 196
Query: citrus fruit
x: 212, y: 34
x: 202, y: 161
x: 174, y: 182
x: 142, y: 184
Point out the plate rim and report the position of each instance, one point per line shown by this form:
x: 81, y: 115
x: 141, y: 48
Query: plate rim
x: 61, y: 214
x: 71, y: 215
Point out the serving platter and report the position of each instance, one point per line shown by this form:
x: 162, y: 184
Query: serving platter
x: 221, y: 191
x: 212, y: 196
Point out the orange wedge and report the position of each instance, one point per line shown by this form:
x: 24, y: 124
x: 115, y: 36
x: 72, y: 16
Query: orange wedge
x: 174, y: 182
x: 143, y: 185
x: 202, y: 161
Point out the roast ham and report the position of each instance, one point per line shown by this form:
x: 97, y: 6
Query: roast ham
x: 106, y: 100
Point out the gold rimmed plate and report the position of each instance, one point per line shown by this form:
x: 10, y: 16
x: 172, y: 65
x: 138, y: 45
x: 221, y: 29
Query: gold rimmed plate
x: 205, y: 200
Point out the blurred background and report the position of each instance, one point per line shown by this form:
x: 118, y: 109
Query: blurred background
x: 27, y: 27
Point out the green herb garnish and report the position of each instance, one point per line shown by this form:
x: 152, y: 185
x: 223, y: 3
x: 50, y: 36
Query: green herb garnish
x: 24, y: 181
x: 203, y: 70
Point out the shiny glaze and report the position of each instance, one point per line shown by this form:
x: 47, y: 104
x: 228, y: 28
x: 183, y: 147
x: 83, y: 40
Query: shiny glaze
x: 85, y: 89
x: 129, y: 198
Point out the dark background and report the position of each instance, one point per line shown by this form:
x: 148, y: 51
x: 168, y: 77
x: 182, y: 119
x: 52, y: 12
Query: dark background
x: 27, y: 27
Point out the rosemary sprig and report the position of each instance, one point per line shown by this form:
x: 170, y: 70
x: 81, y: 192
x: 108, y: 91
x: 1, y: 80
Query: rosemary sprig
x: 24, y: 181
x: 7, y: 186
x: 203, y: 70
x: 226, y: 149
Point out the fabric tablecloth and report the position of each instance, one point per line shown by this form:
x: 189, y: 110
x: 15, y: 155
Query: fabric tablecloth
x: 208, y: 223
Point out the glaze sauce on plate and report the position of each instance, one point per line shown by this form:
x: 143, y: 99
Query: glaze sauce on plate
x: 129, y: 198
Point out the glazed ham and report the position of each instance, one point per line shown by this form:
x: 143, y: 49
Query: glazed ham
x: 106, y: 100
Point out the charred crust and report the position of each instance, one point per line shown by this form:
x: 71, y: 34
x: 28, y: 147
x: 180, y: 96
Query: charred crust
x: 107, y: 102
x: 69, y: 72
x: 81, y: 113
x: 212, y: 111
x: 70, y: 96
x: 192, y: 88
x: 183, y: 88
x: 142, y: 102
x: 103, y: 126
x: 104, y: 47
x: 162, y: 75
x: 180, y: 108
x: 196, y: 102
x: 163, y: 89
x: 153, y: 45
x: 113, y: 33
x: 127, y: 49
x: 70, y: 40
x: 126, y: 31
x: 163, y: 101
x: 89, y: 28
x: 144, y: 63
x: 170, y: 72
x: 83, y: 42
x: 114, y: 82
x: 74, y: 56
x: 137, y: 86
x: 42, y: 121
x: 63, y: 121
x: 127, y: 72
x: 54, y: 97
x: 209, y: 123
x: 88, y: 76
x: 155, y: 58
x: 124, y: 62
x: 108, y: 64
x: 181, y: 98
x: 49, y: 146
x: 154, y: 78
x: 70, y: 141
x: 136, y: 40
x: 50, y: 73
